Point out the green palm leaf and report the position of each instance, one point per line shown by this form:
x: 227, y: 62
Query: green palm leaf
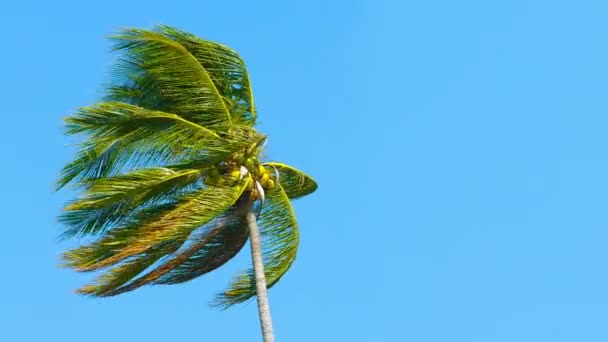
x: 226, y: 69
x: 124, y: 137
x: 280, y: 237
x: 216, y: 253
x: 113, y: 119
x: 181, y: 80
x: 118, y: 276
x: 135, y: 84
x: 108, y: 201
x: 295, y: 182
x: 85, y: 258
x: 191, y: 211
x: 165, y: 267
x: 217, y: 244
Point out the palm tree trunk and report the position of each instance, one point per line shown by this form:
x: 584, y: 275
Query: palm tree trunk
x: 260, y: 278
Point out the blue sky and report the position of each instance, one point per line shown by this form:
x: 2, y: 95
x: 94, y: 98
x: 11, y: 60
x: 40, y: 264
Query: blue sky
x: 460, y: 148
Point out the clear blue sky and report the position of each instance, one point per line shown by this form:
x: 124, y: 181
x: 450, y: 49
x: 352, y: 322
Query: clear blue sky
x: 460, y: 148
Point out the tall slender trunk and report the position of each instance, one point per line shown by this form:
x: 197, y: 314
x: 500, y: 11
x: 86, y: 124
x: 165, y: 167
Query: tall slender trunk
x: 260, y: 278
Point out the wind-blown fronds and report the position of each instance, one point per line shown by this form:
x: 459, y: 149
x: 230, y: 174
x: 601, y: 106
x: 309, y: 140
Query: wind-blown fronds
x: 181, y: 79
x: 118, y: 276
x: 215, y: 246
x: 136, y: 84
x: 224, y: 246
x: 280, y: 237
x: 115, y: 119
x: 123, y: 136
x: 110, y: 200
x: 84, y: 258
x: 137, y: 87
x: 169, y: 170
x: 193, y: 210
x: 295, y: 182
x: 226, y: 69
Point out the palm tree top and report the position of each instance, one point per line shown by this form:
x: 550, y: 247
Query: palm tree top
x: 168, y: 161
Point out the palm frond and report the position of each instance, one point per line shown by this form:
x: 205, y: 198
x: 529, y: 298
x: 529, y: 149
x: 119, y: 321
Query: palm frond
x: 217, y: 244
x: 224, y: 246
x: 85, y: 257
x: 280, y: 237
x: 94, y: 161
x: 119, y: 275
x: 295, y: 182
x: 109, y: 201
x: 226, y: 69
x: 136, y: 86
x: 192, y: 210
x: 123, y: 137
x: 180, y: 78
x: 111, y: 119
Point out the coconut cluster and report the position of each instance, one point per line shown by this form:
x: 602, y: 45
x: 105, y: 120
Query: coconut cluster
x: 240, y: 167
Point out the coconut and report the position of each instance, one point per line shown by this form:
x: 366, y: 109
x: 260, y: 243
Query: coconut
x: 264, y: 179
x: 270, y: 184
x: 249, y: 163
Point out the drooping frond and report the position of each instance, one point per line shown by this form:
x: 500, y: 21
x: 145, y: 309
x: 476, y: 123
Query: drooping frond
x: 191, y: 211
x: 108, y: 201
x: 280, y: 237
x: 94, y: 160
x: 118, y: 276
x: 85, y: 258
x: 165, y: 267
x: 295, y: 182
x: 115, y: 119
x: 226, y: 69
x: 216, y: 244
x: 113, y: 281
x: 136, y: 86
x: 224, y: 246
x: 122, y: 136
x: 182, y: 81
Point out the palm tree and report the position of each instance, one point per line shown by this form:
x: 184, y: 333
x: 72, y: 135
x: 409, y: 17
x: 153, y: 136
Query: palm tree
x: 171, y: 174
